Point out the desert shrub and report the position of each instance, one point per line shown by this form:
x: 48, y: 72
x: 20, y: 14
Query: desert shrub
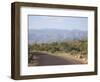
x: 73, y: 47
x: 74, y: 52
x: 29, y: 58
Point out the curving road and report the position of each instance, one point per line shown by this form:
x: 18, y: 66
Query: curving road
x: 48, y: 59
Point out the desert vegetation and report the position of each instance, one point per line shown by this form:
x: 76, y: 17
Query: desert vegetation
x: 76, y: 48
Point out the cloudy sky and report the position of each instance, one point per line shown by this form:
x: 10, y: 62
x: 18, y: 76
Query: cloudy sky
x: 57, y: 22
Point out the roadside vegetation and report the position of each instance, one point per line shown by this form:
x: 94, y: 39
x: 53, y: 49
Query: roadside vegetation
x: 76, y: 48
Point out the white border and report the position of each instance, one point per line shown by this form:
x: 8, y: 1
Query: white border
x: 25, y: 70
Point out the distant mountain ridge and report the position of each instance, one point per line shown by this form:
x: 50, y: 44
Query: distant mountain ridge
x: 55, y: 35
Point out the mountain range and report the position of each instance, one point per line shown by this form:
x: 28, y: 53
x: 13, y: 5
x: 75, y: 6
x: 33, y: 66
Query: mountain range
x: 54, y: 35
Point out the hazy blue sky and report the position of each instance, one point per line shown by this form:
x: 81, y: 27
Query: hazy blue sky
x: 56, y: 22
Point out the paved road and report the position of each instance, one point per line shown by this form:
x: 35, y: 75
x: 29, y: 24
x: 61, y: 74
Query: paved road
x: 48, y: 59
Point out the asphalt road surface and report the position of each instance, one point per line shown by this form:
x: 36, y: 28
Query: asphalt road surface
x: 48, y: 59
